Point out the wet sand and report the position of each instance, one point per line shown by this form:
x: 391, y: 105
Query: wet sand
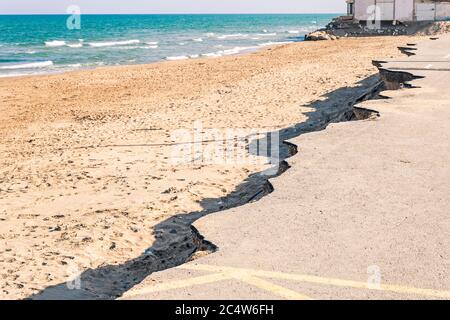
x: 86, y: 157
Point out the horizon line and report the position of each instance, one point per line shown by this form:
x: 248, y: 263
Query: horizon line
x: 166, y: 13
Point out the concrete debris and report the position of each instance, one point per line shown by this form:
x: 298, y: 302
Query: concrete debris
x: 320, y: 35
x: 344, y: 27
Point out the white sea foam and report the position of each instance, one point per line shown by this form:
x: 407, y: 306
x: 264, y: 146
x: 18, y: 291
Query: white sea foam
x: 8, y: 75
x: 211, y: 55
x: 175, y: 58
x: 194, y: 56
x: 273, y: 43
x: 31, y: 65
x: 152, y: 43
x: 31, y: 52
x: 235, y: 35
x: 75, y: 45
x: 227, y: 52
x: 75, y: 65
x: 149, y: 47
x: 113, y: 43
x: 21, y: 74
x: 210, y: 34
x: 60, y: 43
x: 293, y: 31
x: 197, y: 40
x: 266, y: 34
x: 55, y: 43
x: 237, y: 50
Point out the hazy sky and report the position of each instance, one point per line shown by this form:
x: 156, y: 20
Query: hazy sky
x: 174, y: 6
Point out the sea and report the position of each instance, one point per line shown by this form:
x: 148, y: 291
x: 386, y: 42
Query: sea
x: 37, y: 44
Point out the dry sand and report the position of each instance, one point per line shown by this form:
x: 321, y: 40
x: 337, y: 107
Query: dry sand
x: 86, y: 168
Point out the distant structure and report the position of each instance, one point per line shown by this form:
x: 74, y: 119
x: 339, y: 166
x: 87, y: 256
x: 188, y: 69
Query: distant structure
x: 399, y: 10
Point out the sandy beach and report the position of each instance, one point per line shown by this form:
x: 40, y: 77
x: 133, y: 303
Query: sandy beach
x: 86, y: 167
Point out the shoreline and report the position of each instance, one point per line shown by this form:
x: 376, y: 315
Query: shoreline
x: 144, y: 40
x: 166, y: 59
x: 87, y: 208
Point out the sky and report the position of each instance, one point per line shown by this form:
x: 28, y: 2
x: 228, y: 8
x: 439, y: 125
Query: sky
x: 172, y: 6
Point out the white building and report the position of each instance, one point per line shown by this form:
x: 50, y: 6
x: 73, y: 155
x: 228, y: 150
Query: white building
x: 400, y: 10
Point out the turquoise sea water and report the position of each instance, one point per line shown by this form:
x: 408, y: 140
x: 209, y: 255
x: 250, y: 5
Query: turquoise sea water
x: 33, y: 44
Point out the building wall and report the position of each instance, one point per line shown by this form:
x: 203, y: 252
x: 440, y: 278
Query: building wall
x: 386, y: 8
x: 425, y: 10
x: 443, y: 11
x: 361, y: 7
x: 404, y: 10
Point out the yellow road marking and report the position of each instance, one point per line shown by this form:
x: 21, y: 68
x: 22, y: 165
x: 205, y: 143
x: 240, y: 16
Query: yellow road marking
x: 278, y: 290
x: 221, y: 276
x: 320, y: 280
x: 253, y: 277
x: 179, y: 284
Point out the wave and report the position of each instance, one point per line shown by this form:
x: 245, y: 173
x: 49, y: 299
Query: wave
x: 60, y: 43
x: 55, y: 43
x: 211, y: 55
x: 197, y: 40
x: 176, y: 58
x: 75, y: 65
x: 152, y: 43
x: 217, y: 54
x: 293, y: 31
x: 75, y: 45
x: 8, y: 75
x: 149, y: 47
x: 237, y: 50
x: 266, y: 34
x: 274, y: 43
x: 113, y: 43
x: 235, y: 35
x: 31, y: 65
x: 228, y: 52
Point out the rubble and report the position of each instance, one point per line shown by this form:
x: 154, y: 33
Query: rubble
x: 439, y: 27
x: 346, y: 27
x: 320, y: 35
